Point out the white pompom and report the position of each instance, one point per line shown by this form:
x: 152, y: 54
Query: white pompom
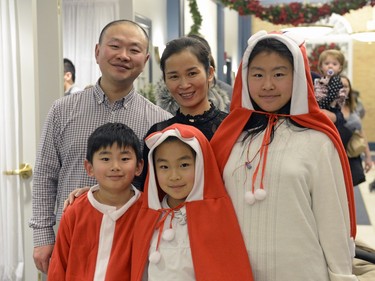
x: 155, y: 257
x: 249, y: 198
x: 260, y: 194
x: 168, y: 235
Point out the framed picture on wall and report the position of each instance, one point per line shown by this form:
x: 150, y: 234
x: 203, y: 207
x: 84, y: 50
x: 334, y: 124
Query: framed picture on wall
x: 146, y: 76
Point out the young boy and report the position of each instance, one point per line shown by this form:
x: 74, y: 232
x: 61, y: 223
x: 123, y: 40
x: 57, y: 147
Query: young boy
x: 95, y: 234
x: 187, y: 228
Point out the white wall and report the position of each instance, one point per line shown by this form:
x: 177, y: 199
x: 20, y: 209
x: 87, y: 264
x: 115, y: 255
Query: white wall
x: 41, y: 83
x: 208, y: 10
x: 156, y: 11
x: 231, y: 37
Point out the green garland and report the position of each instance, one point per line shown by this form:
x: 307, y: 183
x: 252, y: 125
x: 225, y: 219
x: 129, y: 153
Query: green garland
x: 197, y: 17
x: 295, y: 13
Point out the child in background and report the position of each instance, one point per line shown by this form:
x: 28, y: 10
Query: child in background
x: 328, y: 88
x: 187, y: 228
x: 285, y: 168
x: 95, y: 234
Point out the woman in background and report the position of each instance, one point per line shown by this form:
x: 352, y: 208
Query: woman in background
x: 353, y: 123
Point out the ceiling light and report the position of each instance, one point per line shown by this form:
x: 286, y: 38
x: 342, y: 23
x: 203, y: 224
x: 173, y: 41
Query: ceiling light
x: 310, y: 31
x: 364, y: 36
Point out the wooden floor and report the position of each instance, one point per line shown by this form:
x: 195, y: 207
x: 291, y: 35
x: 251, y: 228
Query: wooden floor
x: 366, y: 231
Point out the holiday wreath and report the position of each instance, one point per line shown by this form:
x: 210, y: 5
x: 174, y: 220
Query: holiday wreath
x: 294, y: 13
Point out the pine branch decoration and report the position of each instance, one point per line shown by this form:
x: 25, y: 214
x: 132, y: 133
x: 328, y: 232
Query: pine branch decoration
x: 197, y: 17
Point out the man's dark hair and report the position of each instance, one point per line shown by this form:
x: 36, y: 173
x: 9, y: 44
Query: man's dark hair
x: 122, y: 22
x: 69, y: 67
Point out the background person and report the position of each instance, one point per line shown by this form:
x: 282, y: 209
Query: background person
x: 69, y: 78
x: 354, y: 123
x: 328, y: 88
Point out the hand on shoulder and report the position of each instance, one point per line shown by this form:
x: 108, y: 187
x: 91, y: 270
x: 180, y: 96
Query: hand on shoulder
x: 73, y: 195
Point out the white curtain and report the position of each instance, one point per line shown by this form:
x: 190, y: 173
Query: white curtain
x: 82, y: 22
x: 11, y: 242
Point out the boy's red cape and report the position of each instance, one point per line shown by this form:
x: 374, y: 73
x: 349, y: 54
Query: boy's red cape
x: 304, y: 110
x: 217, y: 247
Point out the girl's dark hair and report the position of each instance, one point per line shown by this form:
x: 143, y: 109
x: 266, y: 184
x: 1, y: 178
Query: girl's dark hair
x: 173, y: 139
x: 193, y: 45
x: 110, y: 134
x: 258, y: 121
x: 271, y: 45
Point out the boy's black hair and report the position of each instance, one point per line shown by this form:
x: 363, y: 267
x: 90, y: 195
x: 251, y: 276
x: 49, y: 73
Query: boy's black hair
x: 110, y: 134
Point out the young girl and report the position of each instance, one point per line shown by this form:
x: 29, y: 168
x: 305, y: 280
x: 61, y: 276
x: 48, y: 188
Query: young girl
x: 285, y: 168
x: 187, y: 228
x: 328, y: 88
